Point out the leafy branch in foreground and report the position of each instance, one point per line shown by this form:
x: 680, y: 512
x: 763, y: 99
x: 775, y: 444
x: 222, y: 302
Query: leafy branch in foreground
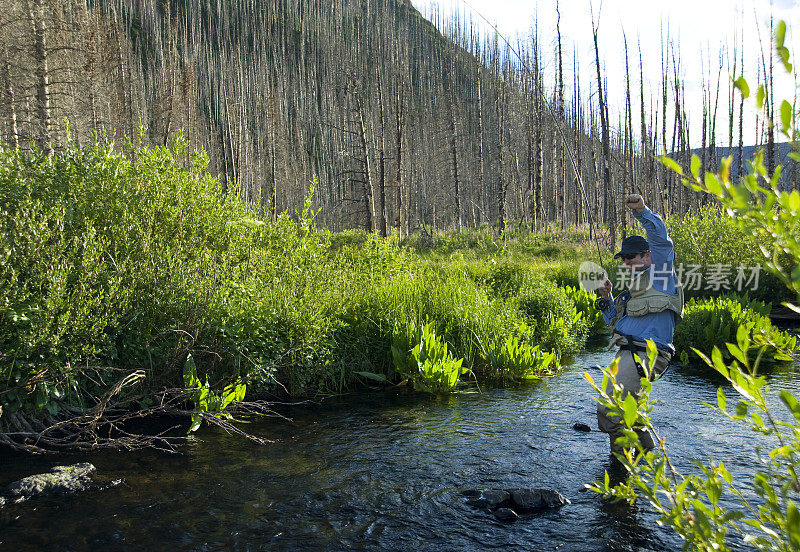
x: 694, y: 505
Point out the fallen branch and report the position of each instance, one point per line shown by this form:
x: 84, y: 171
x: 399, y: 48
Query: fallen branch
x: 106, y: 424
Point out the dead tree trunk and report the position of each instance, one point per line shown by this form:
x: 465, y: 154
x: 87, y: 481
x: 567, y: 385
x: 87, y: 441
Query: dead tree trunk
x: 380, y: 209
x: 502, y: 183
x: 610, y: 214
x: 481, y: 175
x: 740, y: 150
x: 362, y: 157
x: 454, y: 162
x: 8, y: 89
x: 399, y: 122
x: 560, y: 180
x: 41, y: 75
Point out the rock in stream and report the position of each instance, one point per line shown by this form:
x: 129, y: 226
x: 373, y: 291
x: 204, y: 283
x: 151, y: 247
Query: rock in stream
x: 60, y: 481
x: 507, y: 504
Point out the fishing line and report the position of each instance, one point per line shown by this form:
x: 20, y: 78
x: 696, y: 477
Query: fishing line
x: 570, y: 151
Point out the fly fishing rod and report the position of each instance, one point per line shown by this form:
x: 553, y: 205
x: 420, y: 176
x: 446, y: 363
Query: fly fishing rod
x: 556, y: 122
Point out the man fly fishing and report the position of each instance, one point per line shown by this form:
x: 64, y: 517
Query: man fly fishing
x: 648, y: 309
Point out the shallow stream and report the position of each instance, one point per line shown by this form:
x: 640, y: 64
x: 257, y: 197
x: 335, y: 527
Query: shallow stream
x: 384, y: 471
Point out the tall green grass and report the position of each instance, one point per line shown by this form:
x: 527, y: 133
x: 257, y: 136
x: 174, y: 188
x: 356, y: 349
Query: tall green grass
x: 114, y: 262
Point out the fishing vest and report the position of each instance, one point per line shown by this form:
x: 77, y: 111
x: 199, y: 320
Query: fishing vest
x: 644, y: 299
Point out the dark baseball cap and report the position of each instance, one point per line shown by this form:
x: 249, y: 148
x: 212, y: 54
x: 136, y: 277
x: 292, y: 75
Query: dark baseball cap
x: 632, y: 245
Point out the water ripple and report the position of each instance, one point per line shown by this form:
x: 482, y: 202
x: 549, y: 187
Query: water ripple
x: 386, y: 471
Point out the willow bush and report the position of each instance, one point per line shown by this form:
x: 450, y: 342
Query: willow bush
x: 709, y: 323
x: 728, y: 257
x: 115, y: 262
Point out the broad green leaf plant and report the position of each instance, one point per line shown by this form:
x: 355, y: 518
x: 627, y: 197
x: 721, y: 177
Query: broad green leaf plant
x: 206, y: 401
x: 694, y: 504
x: 423, y: 358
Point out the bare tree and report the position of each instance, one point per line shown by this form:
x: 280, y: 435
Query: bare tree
x: 610, y: 215
x: 42, y: 75
x: 8, y: 91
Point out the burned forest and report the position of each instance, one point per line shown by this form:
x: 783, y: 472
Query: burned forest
x: 401, y: 125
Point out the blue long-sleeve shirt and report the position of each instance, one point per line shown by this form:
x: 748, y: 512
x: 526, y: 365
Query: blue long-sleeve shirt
x: 658, y: 326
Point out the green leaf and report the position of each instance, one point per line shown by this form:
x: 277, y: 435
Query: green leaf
x: 196, y: 420
x: 786, y: 116
x: 629, y: 406
x: 760, y: 95
x: 372, y: 376
x: 785, y: 452
x: 743, y: 340
x: 741, y: 410
x: 794, y: 201
x: 783, y: 54
x: 241, y: 390
x: 713, y: 490
x: 713, y: 185
x: 793, y: 525
x: 742, y: 86
x: 190, y: 380
x: 671, y: 164
x: 696, y: 166
x: 791, y: 403
x: 721, y: 400
x: 737, y: 353
x: 780, y: 34
x: 732, y: 516
x: 718, y: 364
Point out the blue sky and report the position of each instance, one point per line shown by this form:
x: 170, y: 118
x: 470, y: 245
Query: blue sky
x: 699, y: 28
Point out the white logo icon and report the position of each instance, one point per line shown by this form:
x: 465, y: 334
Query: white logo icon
x: 590, y: 276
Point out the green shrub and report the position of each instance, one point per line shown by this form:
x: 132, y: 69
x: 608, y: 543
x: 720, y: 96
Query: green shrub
x: 557, y: 324
x: 710, y: 323
x: 563, y: 272
x: 135, y: 264
x: 715, y: 246
x: 505, y: 278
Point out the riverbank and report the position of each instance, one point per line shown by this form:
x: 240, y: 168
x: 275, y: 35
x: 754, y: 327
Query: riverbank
x: 133, y: 288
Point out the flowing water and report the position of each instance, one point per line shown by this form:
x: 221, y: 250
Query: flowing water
x: 384, y: 471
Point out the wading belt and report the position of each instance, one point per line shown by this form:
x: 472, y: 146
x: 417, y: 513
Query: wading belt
x: 635, y: 349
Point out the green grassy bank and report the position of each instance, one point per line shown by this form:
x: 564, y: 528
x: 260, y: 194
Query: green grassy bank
x: 127, y: 278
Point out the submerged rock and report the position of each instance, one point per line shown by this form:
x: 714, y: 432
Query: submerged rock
x: 535, y: 498
x: 489, y: 498
x: 577, y: 426
x: 506, y: 514
x: 505, y: 503
x: 61, y: 480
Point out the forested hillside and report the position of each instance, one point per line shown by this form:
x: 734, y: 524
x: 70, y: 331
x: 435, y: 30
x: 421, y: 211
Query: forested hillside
x: 401, y: 126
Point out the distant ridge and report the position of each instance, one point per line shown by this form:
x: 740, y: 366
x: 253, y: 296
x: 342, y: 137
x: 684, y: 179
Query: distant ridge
x: 782, y: 150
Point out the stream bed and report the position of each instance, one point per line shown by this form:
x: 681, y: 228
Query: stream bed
x: 385, y: 470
